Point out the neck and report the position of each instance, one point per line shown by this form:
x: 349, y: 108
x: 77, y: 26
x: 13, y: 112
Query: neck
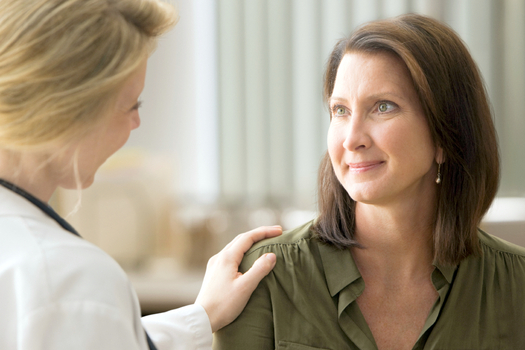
x: 397, y: 239
x: 29, y: 171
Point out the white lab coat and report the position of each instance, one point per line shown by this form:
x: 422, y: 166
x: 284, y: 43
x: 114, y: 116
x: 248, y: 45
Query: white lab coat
x: 58, y: 291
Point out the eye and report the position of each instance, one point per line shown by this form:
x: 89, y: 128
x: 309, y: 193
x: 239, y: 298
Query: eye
x: 338, y: 111
x: 385, y: 107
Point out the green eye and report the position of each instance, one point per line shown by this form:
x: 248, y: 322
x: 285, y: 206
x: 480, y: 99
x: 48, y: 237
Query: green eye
x: 383, y: 107
x: 339, y: 111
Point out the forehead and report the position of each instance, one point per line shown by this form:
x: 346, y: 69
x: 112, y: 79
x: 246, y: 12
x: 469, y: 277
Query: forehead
x: 133, y: 86
x: 362, y: 71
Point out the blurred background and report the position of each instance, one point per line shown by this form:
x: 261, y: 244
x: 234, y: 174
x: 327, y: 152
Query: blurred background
x: 234, y: 127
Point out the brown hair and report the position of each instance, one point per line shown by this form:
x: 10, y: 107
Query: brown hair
x: 455, y: 104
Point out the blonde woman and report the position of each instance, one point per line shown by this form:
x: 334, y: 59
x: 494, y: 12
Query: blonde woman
x: 71, y: 72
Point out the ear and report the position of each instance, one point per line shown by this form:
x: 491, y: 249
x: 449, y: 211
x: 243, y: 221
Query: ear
x: 440, y: 156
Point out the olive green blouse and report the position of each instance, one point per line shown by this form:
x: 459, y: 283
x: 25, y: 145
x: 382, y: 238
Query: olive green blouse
x: 309, y: 302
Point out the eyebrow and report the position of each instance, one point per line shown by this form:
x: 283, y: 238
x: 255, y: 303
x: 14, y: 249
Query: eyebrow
x: 378, y: 96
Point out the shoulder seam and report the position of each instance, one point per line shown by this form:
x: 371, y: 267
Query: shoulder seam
x: 501, y: 250
x: 279, y: 244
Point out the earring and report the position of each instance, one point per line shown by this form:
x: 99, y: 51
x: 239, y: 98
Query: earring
x: 438, y: 179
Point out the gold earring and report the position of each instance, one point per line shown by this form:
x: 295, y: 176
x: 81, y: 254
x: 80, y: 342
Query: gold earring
x: 438, y: 179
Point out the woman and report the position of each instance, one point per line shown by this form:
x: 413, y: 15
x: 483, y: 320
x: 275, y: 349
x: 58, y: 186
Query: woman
x: 71, y: 72
x: 395, y: 259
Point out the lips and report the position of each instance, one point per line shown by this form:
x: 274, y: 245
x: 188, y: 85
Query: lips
x: 364, y: 166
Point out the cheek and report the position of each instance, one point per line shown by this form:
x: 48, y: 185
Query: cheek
x: 334, y: 142
x: 400, y: 135
x: 336, y: 150
x: 119, y: 132
x: 409, y: 146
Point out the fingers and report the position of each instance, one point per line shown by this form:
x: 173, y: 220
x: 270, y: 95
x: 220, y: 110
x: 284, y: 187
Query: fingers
x: 260, y: 268
x: 244, y: 241
x: 225, y: 291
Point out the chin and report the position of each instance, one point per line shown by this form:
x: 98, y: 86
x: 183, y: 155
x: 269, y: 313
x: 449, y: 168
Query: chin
x: 365, y: 196
x: 358, y: 191
x: 87, y: 183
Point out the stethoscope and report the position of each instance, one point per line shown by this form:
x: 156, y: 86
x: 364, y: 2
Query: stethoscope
x: 46, y: 208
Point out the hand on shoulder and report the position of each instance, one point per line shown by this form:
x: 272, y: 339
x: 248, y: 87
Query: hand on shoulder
x: 225, y: 291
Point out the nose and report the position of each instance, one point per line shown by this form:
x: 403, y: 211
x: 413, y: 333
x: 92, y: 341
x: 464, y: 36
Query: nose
x: 357, y: 136
x: 135, y: 121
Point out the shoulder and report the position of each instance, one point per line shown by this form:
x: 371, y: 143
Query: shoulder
x: 490, y: 243
x: 487, y: 291
x: 290, y: 238
x: 50, y: 279
x: 46, y: 265
x: 42, y: 239
x: 81, y: 270
x: 499, y: 259
x: 291, y: 245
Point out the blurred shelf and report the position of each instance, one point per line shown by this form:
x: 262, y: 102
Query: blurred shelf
x: 159, y: 292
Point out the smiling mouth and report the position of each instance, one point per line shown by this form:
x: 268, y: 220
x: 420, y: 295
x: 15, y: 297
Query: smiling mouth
x: 364, y: 166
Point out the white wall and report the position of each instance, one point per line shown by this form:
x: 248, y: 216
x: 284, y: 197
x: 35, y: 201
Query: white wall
x: 179, y: 111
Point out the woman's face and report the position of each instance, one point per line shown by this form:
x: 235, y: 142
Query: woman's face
x: 379, y: 140
x: 111, y: 134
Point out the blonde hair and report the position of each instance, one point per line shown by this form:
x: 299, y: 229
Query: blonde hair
x: 62, y: 63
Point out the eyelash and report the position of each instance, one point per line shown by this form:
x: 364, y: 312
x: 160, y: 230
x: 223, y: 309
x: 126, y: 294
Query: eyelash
x: 137, y: 106
x: 336, y: 107
x: 392, y: 104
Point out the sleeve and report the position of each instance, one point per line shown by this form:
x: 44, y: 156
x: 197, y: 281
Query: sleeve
x: 253, y: 329
x: 79, y: 326
x: 185, y: 328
